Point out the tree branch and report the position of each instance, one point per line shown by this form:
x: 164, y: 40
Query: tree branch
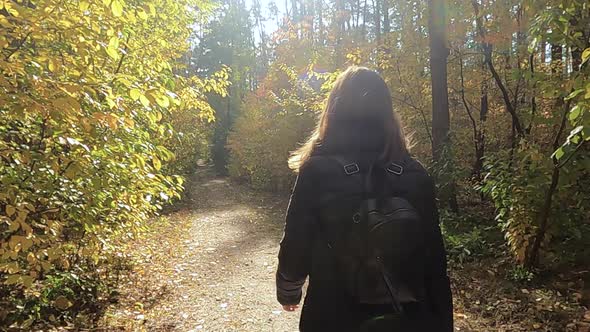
x: 19, y: 46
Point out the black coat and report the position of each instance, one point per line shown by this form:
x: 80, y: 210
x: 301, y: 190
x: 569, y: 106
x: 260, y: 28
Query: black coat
x: 304, y: 253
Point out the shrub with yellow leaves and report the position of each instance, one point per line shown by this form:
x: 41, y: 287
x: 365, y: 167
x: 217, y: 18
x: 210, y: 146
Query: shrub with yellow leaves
x: 88, y: 91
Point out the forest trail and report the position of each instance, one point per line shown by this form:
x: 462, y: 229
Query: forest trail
x: 210, y: 267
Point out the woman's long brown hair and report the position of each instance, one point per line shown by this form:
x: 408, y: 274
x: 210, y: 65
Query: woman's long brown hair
x: 359, y: 96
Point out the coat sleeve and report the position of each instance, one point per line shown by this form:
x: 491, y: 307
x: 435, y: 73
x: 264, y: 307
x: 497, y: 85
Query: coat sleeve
x: 438, y: 285
x: 295, y: 249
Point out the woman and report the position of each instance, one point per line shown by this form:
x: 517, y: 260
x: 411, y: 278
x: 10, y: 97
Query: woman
x: 358, y: 135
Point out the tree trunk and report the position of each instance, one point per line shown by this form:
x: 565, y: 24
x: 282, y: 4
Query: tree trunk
x: 364, y: 27
x: 438, y: 69
x: 377, y: 20
x: 440, y: 94
x: 532, y: 257
x: 556, y: 59
x: 320, y: 22
x: 386, y: 21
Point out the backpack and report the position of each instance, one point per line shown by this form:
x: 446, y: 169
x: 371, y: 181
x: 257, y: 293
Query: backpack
x: 376, y: 236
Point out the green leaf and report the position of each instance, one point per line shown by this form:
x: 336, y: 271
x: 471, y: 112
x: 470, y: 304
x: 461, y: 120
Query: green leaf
x: 574, y: 94
x: 559, y: 153
x: 576, y: 130
x: 135, y: 94
x: 117, y: 8
x: 575, y: 112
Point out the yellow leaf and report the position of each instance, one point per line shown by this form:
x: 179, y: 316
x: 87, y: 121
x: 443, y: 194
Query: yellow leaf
x: 142, y: 14
x: 13, y: 226
x: 112, y: 52
x: 117, y: 8
x: 15, y: 242
x: 27, y: 281
x: 157, y: 163
x: 52, y: 65
x: 84, y: 5
x: 31, y: 258
x: 62, y: 303
x: 26, y: 228
x: 114, y: 42
x: 134, y: 94
x: 10, y: 210
x: 26, y: 244
x: 46, y: 266
x: 112, y: 120
x: 129, y: 122
x: 144, y: 101
x: 12, y: 11
x: 13, y: 279
x: 163, y: 101
x: 585, y: 55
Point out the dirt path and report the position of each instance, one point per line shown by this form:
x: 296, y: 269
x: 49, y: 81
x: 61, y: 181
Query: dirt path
x: 210, y: 267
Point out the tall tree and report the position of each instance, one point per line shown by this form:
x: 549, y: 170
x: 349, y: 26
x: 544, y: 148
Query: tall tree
x: 438, y: 69
x: 439, y: 53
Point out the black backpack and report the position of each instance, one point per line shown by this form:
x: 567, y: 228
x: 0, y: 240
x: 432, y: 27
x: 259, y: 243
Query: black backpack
x: 376, y: 236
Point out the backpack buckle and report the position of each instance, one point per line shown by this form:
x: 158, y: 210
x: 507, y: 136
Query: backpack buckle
x: 351, y: 169
x: 356, y: 218
x: 395, y: 169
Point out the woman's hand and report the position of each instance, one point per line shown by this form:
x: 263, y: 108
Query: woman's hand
x: 290, y: 307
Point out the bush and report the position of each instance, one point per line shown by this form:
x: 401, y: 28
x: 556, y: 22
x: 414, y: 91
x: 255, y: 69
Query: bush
x: 272, y: 124
x: 518, y: 189
x: 85, y: 150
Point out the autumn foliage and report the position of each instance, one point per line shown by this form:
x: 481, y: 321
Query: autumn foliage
x: 88, y: 91
x: 105, y: 106
x: 518, y: 84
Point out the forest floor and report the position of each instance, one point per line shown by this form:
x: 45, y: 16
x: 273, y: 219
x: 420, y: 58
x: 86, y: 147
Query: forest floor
x: 209, y: 266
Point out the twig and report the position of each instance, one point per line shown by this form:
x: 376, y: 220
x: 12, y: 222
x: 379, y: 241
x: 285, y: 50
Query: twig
x: 578, y: 147
x: 19, y: 46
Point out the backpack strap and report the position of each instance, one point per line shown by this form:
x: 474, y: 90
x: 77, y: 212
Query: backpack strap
x: 395, y: 168
x: 349, y: 167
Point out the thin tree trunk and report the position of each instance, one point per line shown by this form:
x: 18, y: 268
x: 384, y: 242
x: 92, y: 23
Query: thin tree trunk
x: 543, y: 216
x: 556, y: 59
x: 377, y: 20
x: 487, y: 49
x: 364, y: 28
x: 533, y: 98
x: 477, y: 164
x: 320, y: 21
x: 386, y: 21
x: 438, y: 68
